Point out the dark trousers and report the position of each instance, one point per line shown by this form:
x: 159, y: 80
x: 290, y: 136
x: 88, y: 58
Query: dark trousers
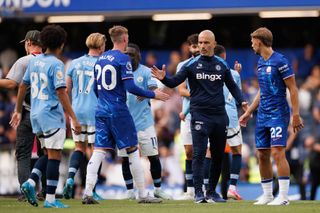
x: 24, y: 144
x: 315, y: 179
x: 202, y: 130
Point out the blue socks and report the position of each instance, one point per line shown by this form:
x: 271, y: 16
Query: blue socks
x: 76, y: 159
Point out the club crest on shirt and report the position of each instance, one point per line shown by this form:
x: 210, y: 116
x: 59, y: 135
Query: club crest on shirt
x: 140, y: 79
x: 199, y: 66
x: 197, y: 127
x: 59, y: 75
x: 129, y: 66
x: 218, y: 67
x: 268, y: 70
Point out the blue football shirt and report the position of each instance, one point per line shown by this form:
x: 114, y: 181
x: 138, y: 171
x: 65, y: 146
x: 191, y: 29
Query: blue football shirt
x: 111, y: 69
x: 273, y: 105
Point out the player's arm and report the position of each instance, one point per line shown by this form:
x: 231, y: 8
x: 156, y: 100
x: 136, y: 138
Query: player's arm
x: 64, y: 100
x: 248, y: 113
x: 8, y: 84
x: 169, y: 81
x: 17, y: 115
x: 14, y: 76
x: 234, y: 89
x: 182, y: 89
x: 296, y: 120
x: 134, y: 89
x: 291, y: 138
x: 69, y: 85
x: 185, y: 109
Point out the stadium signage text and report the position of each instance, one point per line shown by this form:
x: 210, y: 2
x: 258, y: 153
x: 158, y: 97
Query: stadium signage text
x: 30, y: 3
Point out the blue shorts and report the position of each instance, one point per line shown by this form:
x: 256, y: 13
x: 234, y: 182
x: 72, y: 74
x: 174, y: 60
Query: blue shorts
x: 117, y: 131
x: 273, y: 134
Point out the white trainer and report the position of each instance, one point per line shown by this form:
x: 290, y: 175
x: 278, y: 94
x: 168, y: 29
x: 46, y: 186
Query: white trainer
x: 263, y: 200
x: 279, y: 201
x: 131, y: 195
x: 161, y: 194
x: 188, y: 196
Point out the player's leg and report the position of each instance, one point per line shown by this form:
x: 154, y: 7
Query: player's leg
x: 28, y: 187
x: 206, y: 168
x: 148, y: 145
x: 217, y: 137
x: 39, y: 170
x: 103, y: 140
x: 225, y: 175
x: 75, y: 160
x: 186, y: 139
x: 262, y: 138
x: 24, y: 144
x: 234, y: 139
x: 278, y: 152
x: 126, y: 173
x: 53, y: 141
x: 128, y: 179
x: 200, y: 142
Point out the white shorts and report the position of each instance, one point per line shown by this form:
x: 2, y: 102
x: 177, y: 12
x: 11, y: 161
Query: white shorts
x: 148, y: 143
x: 88, y: 133
x: 53, y: 139
x: 234, y: 136
x: 185, y: 132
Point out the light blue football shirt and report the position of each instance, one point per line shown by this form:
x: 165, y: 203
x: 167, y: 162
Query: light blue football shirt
x: 141, y: 110
x: 231, y: 106
x: 45, y: 74
x: 84, y: 100
x: 185, y: 100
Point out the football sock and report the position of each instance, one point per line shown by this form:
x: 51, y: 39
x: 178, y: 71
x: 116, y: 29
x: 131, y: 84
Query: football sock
x: 92, y: 169
x: 76, y: 159
x: 155, y: 169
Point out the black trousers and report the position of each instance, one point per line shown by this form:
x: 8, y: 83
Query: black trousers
x: 24, y: 144
x: 214, y: 130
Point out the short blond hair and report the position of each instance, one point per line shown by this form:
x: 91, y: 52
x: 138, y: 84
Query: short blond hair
x: 264, y: 35
x: 95, y: 40
x: 116, y: 33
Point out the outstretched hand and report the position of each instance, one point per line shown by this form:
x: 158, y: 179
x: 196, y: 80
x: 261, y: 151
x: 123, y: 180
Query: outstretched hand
x: 159, y: 95
x: 158, y: 74
x: 243, y: 120
x: 237, y: 66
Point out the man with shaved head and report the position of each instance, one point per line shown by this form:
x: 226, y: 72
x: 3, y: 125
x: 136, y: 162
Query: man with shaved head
x: 206, y: 75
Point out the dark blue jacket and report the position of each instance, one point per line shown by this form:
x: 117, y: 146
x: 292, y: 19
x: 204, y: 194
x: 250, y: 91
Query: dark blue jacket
x: 206, y: 76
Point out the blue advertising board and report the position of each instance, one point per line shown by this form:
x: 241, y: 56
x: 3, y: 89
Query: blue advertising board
x: 143, y: 6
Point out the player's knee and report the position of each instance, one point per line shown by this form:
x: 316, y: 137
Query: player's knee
x: 80, y: 147
x: 278, y: 155
x: 263, y: 156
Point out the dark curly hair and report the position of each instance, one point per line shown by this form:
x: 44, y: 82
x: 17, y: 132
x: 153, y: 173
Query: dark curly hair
x: 53, y: 36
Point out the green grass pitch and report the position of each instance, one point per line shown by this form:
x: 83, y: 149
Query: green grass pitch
x: 8, y: 205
